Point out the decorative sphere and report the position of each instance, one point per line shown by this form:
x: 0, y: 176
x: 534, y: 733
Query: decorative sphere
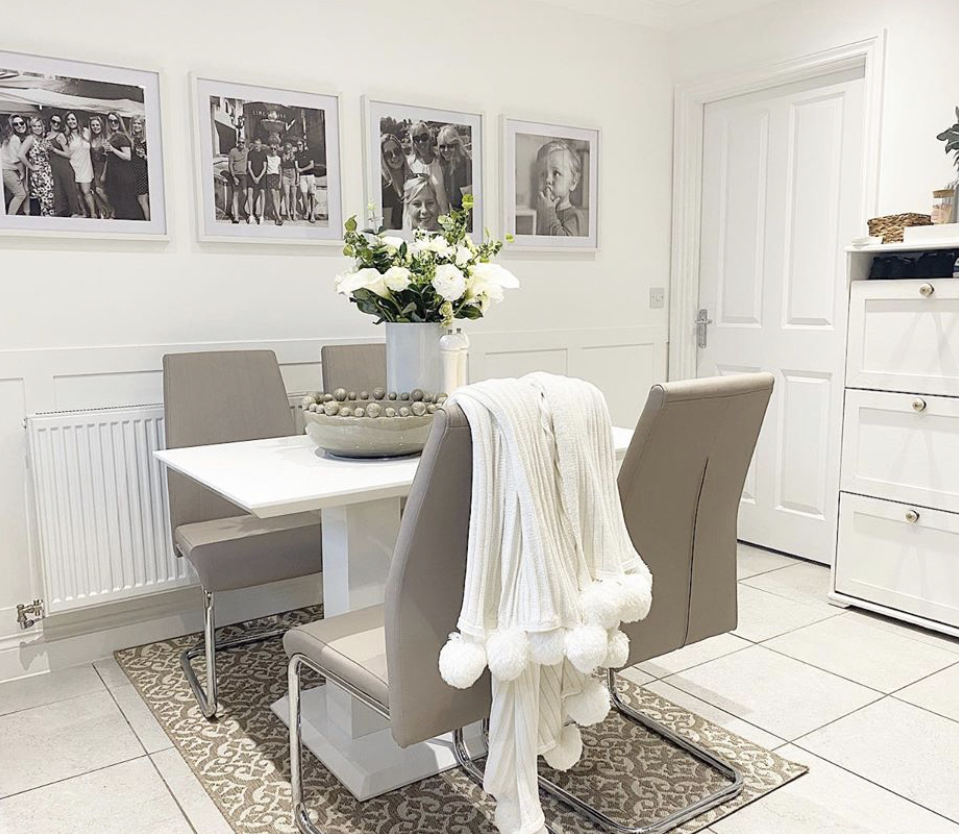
x: 351, y: 395
x: 373, y: 410
x: 416, y: 394
x: 328, y: 398
x: 331, y: 409
x: 379, y: 393
x: 419, y: 408
x: 429, y: 398
x: 346, y: 411
x: 313, y: 407
x: 441, y: 398
x: 404, y: 396
x: 339, y: 394
x: 392, y: 395
x: 364, y: 395
x: 389, y: 411
x: 307, y: 401
x: 359, y: 412
x: 431, y: 408
x: 404, y: 411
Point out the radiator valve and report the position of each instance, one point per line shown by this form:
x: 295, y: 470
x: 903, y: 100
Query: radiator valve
x: 27, y: 615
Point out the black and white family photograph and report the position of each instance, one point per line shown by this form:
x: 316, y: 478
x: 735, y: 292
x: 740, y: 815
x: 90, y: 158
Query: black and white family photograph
x: 551, y: 184
x: 76, y: 149
x: 423, y: 162
x: 265, y: 161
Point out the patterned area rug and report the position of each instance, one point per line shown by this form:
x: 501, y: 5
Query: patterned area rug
x: 243, y: 759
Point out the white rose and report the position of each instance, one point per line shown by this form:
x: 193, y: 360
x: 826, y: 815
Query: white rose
x: 392, y: 243
x: 463, y: 255
x: 362, y: 279
x: 449, y: 283
x: 397, y: 278
x: 439, y: 245
x: 495, y: 274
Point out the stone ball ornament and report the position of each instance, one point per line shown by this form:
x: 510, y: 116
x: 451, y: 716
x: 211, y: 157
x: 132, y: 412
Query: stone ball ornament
x: 370, y: 424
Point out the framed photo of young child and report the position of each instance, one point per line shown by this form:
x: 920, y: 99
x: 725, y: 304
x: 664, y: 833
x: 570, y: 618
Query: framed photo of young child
x: 267, y: 164
x: 420, y: 163
x: 550, y: 189
x: 82, y: 149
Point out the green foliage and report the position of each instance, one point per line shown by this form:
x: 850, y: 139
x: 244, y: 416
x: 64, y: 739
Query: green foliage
x: 951, y: 137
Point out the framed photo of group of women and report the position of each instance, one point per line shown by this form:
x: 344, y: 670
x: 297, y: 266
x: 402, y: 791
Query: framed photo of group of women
x: 81, y: 149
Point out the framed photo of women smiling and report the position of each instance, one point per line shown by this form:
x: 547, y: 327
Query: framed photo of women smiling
x: 550, y: 188
x: 420, y: 163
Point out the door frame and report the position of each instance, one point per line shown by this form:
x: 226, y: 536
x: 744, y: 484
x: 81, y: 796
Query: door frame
x: 690, y: 104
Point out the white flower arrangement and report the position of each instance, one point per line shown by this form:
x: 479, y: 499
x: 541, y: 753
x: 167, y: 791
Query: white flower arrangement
x: 434, y: 278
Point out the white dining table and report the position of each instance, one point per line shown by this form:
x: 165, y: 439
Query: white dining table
x: 359, y: 505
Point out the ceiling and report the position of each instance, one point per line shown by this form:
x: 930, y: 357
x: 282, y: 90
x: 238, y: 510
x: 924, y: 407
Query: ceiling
x: 662, y: 14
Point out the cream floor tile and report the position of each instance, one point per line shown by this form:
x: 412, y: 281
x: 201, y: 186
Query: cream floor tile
x: 933, y: 638
x: 802, y: 582
x: 138, y: 714
x: 851, y: 648
x: 194, y: 800
x: 754, y: 560
x: 901, y: 747
x: 48, y: 688
x: 774, y: 692
x: 636, y: 675
x: 830, y: 800
x: 938, y: 693
x: 693, y: 655
x: 56, y: 741
x: 113, y: 676
x: 121, y: 799
x: 763, y: 615
x: 717, y: 716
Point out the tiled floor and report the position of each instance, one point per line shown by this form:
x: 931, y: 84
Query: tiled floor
x: 871, y: 705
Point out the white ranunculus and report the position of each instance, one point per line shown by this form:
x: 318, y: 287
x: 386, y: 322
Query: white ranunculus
x: 495, y: 274
x: 397, y: 278
x: 449, y: 282
x: 439, y: 245
x: 362, y: 279
x: 463, y: 255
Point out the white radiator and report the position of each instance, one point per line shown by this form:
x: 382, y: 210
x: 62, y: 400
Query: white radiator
x: 101, y: 506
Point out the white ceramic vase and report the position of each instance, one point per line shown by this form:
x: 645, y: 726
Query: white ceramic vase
x: 413, y: 357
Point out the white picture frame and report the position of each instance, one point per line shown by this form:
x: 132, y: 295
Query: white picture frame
x: 89, y: 91
x: 471, y: 125
x: 210, y: 128
x: 525, y: 143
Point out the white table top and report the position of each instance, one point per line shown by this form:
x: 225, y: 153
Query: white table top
x: 290, y: 475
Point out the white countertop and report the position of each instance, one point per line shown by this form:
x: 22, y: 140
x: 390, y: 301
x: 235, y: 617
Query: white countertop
x: 290, y: 474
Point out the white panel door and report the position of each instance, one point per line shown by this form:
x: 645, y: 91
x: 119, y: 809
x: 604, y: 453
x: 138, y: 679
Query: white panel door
x: 782, y: 174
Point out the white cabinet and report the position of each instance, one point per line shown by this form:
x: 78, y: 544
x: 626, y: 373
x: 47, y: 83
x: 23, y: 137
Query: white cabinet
x: 897, y: 549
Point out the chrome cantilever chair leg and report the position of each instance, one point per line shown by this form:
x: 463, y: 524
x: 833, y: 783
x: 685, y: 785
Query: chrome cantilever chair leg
x: 208, y: 647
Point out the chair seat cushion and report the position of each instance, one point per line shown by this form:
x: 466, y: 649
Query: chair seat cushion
x: 243, y: 551
x: 351, y: 645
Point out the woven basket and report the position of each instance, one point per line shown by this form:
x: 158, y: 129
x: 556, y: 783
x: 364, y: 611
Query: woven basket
x: 891, y: 227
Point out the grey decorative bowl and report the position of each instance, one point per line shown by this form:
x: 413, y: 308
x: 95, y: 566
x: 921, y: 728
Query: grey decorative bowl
x: 368, y: 437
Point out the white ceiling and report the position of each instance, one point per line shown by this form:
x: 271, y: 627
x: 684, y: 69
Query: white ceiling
x: 662, y: 14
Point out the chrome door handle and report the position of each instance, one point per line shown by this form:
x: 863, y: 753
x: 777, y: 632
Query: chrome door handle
x: 702, y: 325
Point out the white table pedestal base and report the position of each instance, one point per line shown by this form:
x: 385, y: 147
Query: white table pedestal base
x: 371, y: 764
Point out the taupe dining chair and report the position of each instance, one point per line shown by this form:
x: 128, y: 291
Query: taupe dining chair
x: 680, y: 483
x: 359, y: 367
x: 221, y: 397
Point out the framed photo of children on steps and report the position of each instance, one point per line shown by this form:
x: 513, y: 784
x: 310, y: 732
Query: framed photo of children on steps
x: 267, y: 164
x: 550, y: 185
x: 81, y: 149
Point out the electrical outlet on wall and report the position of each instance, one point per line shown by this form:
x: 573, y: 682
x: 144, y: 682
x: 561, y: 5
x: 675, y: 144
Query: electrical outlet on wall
x: 657, y: 298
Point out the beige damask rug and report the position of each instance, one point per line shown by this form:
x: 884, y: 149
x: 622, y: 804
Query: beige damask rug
x: 243, y: 761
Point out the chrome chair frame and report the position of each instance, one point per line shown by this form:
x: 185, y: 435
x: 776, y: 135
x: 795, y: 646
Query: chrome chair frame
x: 468, y: 764
x: 208, y: 647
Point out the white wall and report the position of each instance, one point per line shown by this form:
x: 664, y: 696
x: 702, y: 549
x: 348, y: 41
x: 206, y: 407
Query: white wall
x: 922, y: 65
x: 85, y: 323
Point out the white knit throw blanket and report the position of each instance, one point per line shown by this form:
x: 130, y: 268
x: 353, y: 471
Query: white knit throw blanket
x: 551, y: 572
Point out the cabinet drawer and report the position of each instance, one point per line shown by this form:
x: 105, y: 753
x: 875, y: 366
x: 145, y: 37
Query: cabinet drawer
x: 886, y: 559
x: 903, y: 447
x: 902, y: 340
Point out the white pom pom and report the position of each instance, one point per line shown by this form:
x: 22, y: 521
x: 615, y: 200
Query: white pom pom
x: 567, y: 750
x: 618, y: 652
x: 589, y: 706
x: 586, y: 647
x: 635, y: 596
x: 600, y: 604
x: 507, y: 653
x: 462, y: 661
x: 548, y: 647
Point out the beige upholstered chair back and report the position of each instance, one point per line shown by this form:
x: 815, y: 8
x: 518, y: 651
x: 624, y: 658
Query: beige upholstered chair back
x: 353, y: 367
x: 219, y: 397
x: 680, y: 484
x: 424, y: 592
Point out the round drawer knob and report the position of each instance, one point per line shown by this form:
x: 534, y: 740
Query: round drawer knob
x: 925, y: 290
x: 912, y: 516
x: 919, y: 404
